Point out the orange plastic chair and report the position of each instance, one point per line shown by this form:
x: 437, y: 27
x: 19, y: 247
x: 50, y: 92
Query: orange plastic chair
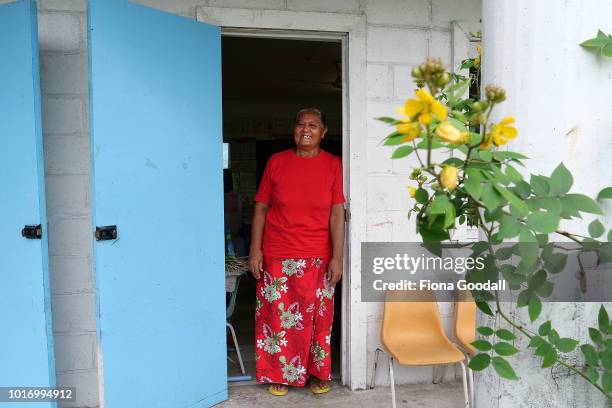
x: 465, y: 331
x: 412, y: 334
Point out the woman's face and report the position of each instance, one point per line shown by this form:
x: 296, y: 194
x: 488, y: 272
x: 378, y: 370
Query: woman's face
x: 309, y: 131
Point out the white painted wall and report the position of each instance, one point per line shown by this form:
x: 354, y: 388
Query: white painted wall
x: 398, y: 35
x: 560, y: 96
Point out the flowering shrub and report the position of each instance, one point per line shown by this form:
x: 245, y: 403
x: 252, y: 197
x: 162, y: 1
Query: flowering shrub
x: 478, y: 184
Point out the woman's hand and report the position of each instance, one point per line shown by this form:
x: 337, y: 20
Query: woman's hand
x: 256, y: 262
x: 334, y: 271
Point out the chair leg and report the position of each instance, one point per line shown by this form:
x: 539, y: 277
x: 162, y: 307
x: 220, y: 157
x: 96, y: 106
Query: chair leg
x: 465, y: 386
x: 237, y: 347
x: 471, y: 381
x: 376, y: 353
x: 392, y: 380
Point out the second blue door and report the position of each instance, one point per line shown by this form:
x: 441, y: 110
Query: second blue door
x: 155, y: 118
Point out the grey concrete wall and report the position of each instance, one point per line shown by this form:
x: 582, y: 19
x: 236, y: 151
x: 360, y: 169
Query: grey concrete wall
x: 64, y: 83
x: 64, y: 88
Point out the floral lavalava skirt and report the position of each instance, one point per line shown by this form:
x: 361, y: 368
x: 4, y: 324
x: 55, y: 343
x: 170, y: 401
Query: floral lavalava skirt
x: 294, y: 313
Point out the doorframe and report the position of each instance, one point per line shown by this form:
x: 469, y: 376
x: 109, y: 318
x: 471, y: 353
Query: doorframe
x: 350, y: 31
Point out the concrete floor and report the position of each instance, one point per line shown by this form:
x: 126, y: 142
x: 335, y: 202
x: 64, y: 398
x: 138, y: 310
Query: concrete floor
x: 445, y: 395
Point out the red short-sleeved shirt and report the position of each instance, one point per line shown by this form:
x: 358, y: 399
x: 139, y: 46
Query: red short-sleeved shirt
x: 301, y: 192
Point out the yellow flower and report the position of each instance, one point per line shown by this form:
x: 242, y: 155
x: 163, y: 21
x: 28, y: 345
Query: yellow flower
x: 447, y: 132
x: 409, y: 128
x: 502, y: 132
x: 412, y: 191
x: 423, y: 107
x: 449, y: 177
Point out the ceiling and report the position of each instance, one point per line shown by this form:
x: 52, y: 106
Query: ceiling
x: 280, y: 70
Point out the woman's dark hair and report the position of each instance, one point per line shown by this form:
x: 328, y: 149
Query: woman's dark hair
x: 316, y: 111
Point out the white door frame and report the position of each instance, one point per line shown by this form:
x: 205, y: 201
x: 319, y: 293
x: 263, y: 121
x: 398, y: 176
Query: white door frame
x: 350, y: 30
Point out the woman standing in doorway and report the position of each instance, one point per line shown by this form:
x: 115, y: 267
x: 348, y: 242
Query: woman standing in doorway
x: 297, y: 243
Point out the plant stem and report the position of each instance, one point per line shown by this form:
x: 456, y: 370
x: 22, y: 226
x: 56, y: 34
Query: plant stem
x: 521, y: 328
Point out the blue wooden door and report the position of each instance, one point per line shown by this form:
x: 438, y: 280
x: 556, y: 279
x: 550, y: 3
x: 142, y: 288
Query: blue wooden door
x: 26, y: 342
x: 155, y: 117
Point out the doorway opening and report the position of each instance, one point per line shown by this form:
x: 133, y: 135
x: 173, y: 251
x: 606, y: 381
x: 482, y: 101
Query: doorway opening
x: 265, y: 82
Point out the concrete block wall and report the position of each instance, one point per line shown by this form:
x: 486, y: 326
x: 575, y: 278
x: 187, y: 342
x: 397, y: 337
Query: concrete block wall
x: 400, y: 34
x: 62, y: 29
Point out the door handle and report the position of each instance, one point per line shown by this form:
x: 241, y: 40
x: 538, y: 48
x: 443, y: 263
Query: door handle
x: 106, y: 233
x: 32, y: 231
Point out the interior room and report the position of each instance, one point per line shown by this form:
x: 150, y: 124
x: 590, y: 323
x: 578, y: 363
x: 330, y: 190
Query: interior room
x: 265, y: 82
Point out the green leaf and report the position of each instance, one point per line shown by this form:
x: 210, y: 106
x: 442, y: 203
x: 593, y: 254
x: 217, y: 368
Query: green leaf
x: 505, y: 349
x: 553, y: 336
x: 561, y: 181
x: 536, y: 341
x: 453, y: 161
x: 490, y: 198
x: 389, y: 120
x: 566, y: 345
x: 606, y: 51
x: 503, y: 368
x: 551, y: 204
x: 394, y: 139
x: 590, y: 355
x: 439, y: 205
x: 537, y: 280
x: 605, y: 194
x: 526, y: 236
x: 449, y: 216
x: 485, y: 155
x: 480, y: 362
x: 509, y: 227
x: 505, y: 334
x: 474, y: 173
x: 522, y: 189
x: 543, y: 349
x: 402, y: 151
x: 497, y: 174
x: 550, y: 358
x: 594, y: 43
x: 595, y: 335
x: 546, y: 289
x: 542, y: 221
x: 485, y: 308
x: 523, y: 298
x: 473, y: 187
x: 534, y: 308
x: 606, y: 379
x: 539, y: 185
x: 553, y: 262
x: 580, y: 202
x: 593, y: 374
x: 482, y: 345
x: 513, y: 200
x: 509, y: 155
x: 606, y: 359
x: 603, y: 321
x: 513, y: 174
x: 421, y: 196
x: 431, y: 229
x: 485, y: 331
x: 596, y: 229
x: 542, y: 239
x: 544, y: 328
